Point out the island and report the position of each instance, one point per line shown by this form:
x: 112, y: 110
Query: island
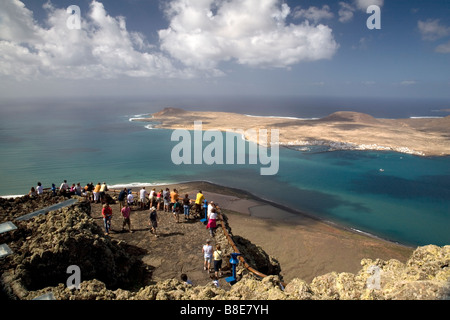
x: 344, y: 130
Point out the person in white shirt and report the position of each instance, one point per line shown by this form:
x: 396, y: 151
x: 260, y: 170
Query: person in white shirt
x: 130, y: 198
x: 142, y: 194
x: 103, y: 189
x: 207, y: 251
x: 211, y: 225
x: 39, y: 189
x: 211, y: 205
x: 64, y: 187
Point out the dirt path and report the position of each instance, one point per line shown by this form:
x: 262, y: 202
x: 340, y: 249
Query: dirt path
x: 176, y: 250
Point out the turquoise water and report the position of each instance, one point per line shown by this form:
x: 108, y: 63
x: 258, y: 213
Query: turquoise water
x: 408, y: 202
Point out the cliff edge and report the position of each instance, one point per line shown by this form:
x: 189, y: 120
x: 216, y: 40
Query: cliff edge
x: 45, y: 245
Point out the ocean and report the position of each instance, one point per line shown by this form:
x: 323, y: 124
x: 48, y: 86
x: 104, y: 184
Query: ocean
x: 97, y: 140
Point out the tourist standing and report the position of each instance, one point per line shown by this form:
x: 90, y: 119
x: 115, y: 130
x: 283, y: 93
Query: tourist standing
x: 130, y: 198
x: 63, y: 188
x: 142, y: 194
x: 89, y: 188
x: 211, y: 225
x: 122, y: 198
x: 176, y: 210
x: 107, y: 215
x: 153, y: 221
x: 199, y: 201
x: 72, y: 189
x: 210, y: 207
x: 173, y: 197
x: 186, y: 206
x: 217, y: 258
x: 159, y: 200
x: 152, y: 198
x: 53, y: 190
x: 103, y: 190
x: 78, y: 189
x: 166, y: 196
x: 126, y: 211
x: 207, y: 251
x: 97, y: 193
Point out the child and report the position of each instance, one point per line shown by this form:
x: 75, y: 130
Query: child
x: 153, y: 221
x: 207, y: 251
x: 185, y: 279
x: 176, y: 210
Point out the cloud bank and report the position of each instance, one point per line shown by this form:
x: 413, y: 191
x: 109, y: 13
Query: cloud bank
x: 102, y: 48
x: 201, y: 34
x: 251, y: 32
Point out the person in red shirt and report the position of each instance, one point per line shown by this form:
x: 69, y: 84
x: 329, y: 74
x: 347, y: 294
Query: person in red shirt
x: 107, y: 215
x: 126, y: 217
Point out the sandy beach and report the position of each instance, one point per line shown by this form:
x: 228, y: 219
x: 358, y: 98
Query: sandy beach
x: 304, y: 246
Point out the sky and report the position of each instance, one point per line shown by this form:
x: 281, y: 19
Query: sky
x: 224, y: 47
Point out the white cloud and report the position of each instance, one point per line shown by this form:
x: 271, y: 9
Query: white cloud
x: 102, y: 48
x: 204, y: 33
x: 408, y: 82
x: 433, y: 29
x: 201, y: 35
x: 314, y: 14
x: 345, y: 12
x: 443, y: 48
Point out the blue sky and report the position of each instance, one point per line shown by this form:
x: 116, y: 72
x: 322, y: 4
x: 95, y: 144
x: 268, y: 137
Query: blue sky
x: 218, y: 47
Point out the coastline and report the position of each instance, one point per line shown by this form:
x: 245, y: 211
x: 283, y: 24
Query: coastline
x: 306, y: 246
x: 422, y: 136
x: 294, y: 217
x: 297, y: 215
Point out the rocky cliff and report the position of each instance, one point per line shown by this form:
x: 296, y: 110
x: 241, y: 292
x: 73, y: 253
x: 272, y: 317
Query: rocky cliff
x: 45, y: 245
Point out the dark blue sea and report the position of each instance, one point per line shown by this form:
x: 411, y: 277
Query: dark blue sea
x: 95, y: 140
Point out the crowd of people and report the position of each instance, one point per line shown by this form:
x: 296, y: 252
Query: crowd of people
x: 92, y: 193
x: 154, y: 201
x: 171, y: 202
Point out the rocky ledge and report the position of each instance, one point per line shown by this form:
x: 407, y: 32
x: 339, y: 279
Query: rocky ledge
x: 46, y: 245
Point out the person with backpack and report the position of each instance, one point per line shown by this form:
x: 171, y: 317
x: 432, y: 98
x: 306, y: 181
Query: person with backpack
x: 122, y: 197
